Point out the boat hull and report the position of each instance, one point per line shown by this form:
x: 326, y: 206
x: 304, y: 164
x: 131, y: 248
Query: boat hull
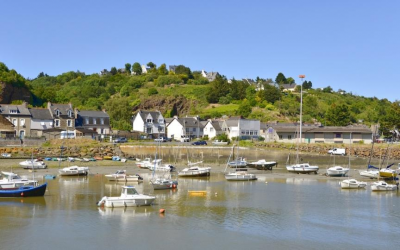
x: 128, y: 202
x: 25, y: 191
x: 194, y: 173
x: 377, y: 187
x: 240, y: 177
x: 337, y: 173
x: 373, y: 174
x: 298, y: 170
x: 263, y: 166
x: 352, y: 184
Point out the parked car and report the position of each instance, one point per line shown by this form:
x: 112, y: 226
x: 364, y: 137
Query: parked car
x: 160, y: 139
x: 120, y: 140
x: 337, y: 151
x: 199, y: 143
x: 185, y: 139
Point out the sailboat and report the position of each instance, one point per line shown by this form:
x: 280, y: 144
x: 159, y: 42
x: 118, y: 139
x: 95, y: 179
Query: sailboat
x: 241, y: 175
x: 72, y: 170
x: 371, y: 172
x: 337, y: 170
x: 388, y: 172
x: 163, y: 182
x: 352, y: 183
x: 301, y: 167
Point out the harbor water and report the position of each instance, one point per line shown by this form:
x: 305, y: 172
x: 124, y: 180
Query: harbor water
x: 292, y: 212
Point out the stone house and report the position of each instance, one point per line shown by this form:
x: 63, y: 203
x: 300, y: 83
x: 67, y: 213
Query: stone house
x: 19, y: 116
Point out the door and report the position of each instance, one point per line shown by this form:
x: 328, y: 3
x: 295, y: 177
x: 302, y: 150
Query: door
x: 21, y: 134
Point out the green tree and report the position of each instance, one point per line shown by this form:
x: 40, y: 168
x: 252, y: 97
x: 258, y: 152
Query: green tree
x: 290, y: 80
x: 280, y: 79
x: 270, y: 93
x: 151, y: 65
x: 238, y: 89
x: 244, y: 109
x: 128, y: 68
x: 152, y: 91
x: 162, y: 70
x: 338, y: 115
x: 120, y: 112
x: 218, y: 88
x: 113, y: 71
x: 182, y: 70
x: 136, y: 68
x: 327, y: 89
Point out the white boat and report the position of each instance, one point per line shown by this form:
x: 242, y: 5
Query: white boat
x: 240, y: 176
x: 219, y: 143
x: 11, y: 180
x: 388, y: 172
x: 121, y: 175
x: 263, y: 164
x: 238, y: 163
x: 337, y: 171
x: 194, y: 170
x: 352, y: 184
x: 73, y: 171
x: 147, y: 162
x: 382, y: 186
x: 372, y: 172
x: 129, y: 198
x: 162, y: 168
x: 35, y: 163
x: 302, y: 168
x: 164, y: 183
x: 6, y: 155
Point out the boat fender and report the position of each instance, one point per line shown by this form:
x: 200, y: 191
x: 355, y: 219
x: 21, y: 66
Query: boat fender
x: 162, y: 211
x: 22, y: 194
x: 174, y: 185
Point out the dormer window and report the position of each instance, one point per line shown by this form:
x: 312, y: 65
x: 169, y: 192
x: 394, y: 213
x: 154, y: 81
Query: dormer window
x: 57, y: 112
x: 13, y: 111
x: 69, y: 113
x: 149, y: 120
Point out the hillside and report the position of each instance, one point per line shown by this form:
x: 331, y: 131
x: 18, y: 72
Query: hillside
x: 189, y: 93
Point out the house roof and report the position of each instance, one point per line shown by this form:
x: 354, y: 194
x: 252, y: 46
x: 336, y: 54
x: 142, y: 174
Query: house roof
x: 62, y: 107
x: 190, y: 122
x: 289, y: 86
x: 154, y: 114
x: 6, y: 125
x: 40, y: 114
x: 92, y: 113
x: 21, y: 109
x: 217, y: 125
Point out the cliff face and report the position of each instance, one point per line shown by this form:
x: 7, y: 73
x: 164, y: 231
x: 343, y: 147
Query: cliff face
x: 9, y: 93
x: 179, y: 105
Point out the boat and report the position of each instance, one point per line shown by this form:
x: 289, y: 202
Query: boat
x: 219, y: 143
x: 107, y: 157
x: 33, y: 163
x: 162, y: 168
x: 263, y: 164
x: 193, y: 170
x: 382, y: 186
x: 116, y: 158
x: 371, y: 172
x: 352, y: 184
x: 337, y: 171
x: 240, y: 176
x: 49, y: 177
x: 6, y: 155
x: 73, y: 171
x: 301, y: 167
x: 11, y: 180
x: 24, y: 191
x: 98, y: 158
x: 147, y: 162
x: 129, y: 198
x: 164, y: 183
x: 121, y: 175
x: 388, y: 172
x: 240, y: 162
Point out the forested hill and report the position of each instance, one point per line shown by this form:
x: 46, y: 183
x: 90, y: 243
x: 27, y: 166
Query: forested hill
x: 184, y: 92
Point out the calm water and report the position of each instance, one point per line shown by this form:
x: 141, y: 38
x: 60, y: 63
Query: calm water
x: 287, y: 213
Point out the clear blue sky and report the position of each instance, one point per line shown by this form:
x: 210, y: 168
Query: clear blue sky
x: 346, y: 44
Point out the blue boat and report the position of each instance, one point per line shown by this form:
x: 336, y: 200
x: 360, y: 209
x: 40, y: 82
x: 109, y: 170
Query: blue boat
x: 116, y: 158
x: 24, y: 191
x: 49, y: 176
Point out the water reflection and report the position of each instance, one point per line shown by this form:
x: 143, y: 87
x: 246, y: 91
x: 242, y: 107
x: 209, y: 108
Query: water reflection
x: 126, y: 212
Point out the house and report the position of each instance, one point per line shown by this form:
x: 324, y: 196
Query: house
x: 172, y: 68
x: 6, y: 128
x: 242, y: 128
x: 213, y: 128
x: 314, y: 133
x: 289, y: 87
x: 150, y: 122
x: 63, y: 116
x: 41, y: 121
x: 211, y: 76
x: 185, y: 127
x: 19, y: 116
x: 90, y: 123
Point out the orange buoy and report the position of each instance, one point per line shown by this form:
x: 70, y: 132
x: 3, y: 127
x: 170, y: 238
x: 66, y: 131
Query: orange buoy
x: 162, y: 210
x: 22, y: 194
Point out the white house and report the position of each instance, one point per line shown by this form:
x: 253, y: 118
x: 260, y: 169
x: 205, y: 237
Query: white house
x: 149, y: 122
x: 239, y: 127
x: 41, y: 120
x: 185, y: 127
x: 213, y: 128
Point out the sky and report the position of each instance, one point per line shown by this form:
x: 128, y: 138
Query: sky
x: 352, y: 45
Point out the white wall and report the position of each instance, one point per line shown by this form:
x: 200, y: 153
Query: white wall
x: 138, y: 123
x: 37, y: 124
x: 209, y: 130
x: 175, y: 130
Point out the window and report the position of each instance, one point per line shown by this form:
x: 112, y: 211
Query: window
x: 149, y: 120
x: 13, y: 111
x: 57, y: 112
x: 86, y: 120
x: 94, y: 121
x: 69, y: 113
x: 289, y: 137
x: 22, y: 121
x: 160, y: 121
x: 194, y: 129
x: 338, y: 135
x: 101, y: 120
x: 280, y: 137
x: 14, y: 121
x: 211, y: 129
x: 69, y: 123
x: 101, y: 131
x: 57, y: 123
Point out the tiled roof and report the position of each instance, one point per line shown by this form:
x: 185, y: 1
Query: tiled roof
x: 40, y: 114
x: 91, y: 113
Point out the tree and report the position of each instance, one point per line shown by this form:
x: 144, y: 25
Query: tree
x: 290, y: 80
x: 270, y: 93
x: 280, y: 79
x: 136, y: 68
x: 338, y: 115
x: 162, y: 70
x: 182, y: 70
x: 307, y: 85
x: 218, y: 88
x: 151, y: 65
x: 327, y: 89
x: 120, y: 112
x: 244, y: 109
x: 128, y: 68
x: 238, y: 89
x: 113, y: 71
